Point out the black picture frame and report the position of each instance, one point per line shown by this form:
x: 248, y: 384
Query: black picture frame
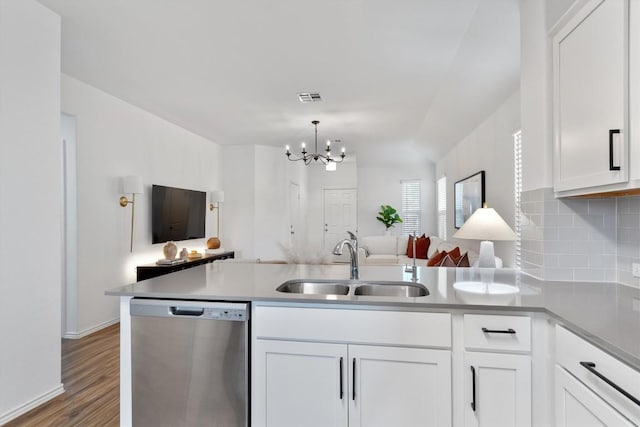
x: 468, y: 195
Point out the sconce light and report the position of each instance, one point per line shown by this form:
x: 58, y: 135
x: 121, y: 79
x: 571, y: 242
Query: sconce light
x: 131, y: 185
x: 216, y: 197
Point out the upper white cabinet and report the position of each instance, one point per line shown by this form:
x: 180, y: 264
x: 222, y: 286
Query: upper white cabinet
x: 590, y: 100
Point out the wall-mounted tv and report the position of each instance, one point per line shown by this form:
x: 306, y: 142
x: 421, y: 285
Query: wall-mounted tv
x: 177, y: 214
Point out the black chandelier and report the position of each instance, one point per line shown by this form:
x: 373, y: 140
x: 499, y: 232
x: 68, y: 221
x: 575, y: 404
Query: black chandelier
x: 307, y: 157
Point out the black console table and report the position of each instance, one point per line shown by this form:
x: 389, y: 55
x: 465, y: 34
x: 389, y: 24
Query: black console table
x: 148, y: 271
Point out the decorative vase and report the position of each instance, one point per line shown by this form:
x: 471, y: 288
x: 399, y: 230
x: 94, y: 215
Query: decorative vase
x: 170, y: 250
x: 213, y: 243
x: 184, y: 254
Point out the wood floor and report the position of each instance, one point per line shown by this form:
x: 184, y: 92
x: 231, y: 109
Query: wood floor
x: 91, y: 378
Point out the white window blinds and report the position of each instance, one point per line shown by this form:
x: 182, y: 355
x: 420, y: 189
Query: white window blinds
x: 442, y: 208
x: 517, y: 180
x: 411, y: 207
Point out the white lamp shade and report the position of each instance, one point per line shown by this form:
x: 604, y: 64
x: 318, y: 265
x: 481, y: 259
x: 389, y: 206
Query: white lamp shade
x: 485, y: 224
x: 132, y: 185
x: 217, y: 196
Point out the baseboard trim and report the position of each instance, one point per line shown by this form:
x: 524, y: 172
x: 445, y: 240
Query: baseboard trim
x: 23, y: 409
x: 82, y: 334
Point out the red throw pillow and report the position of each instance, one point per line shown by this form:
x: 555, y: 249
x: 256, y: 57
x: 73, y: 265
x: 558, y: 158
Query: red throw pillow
x: 455, y: 254
x: 436, y: 258
x: 447, y: 262
x: 422, y: 247
x: 463, y: 261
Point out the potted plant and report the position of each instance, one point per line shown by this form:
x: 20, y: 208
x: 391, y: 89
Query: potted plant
x: 388, y: 216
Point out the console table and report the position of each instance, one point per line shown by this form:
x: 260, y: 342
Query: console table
x: 148, y: 271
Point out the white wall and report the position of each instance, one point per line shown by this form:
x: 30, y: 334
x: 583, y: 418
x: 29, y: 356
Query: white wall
x: 256, y: 208
x: 116, y: 139
x: 490, y: 148
x: 30, y: 206
x: 382, y: 186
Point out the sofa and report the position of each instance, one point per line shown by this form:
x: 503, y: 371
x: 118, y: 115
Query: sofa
x: 392, y: 250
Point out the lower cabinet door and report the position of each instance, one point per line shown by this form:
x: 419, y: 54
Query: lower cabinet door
x: 299, y: 384
x: 400, y: 387
x: 497, y: 390
x: 578, y: 406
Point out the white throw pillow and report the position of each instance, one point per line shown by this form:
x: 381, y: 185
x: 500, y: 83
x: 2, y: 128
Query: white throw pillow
x: 401, y: 246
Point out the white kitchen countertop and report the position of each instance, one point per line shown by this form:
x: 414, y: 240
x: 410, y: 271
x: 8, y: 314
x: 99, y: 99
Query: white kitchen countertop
x: 607, y: 314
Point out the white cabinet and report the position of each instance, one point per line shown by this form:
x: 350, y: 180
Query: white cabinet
x: 592, y: 387
x: 498, y: 390
x: 496, y: 371
x: 590, y: 99
x: 353, y: 377
x: 395, y: 386
x: 299, y: 383
x: 577, y: 406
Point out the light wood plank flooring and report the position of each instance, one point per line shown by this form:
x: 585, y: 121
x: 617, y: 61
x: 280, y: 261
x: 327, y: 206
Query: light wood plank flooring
x: 91, y: 378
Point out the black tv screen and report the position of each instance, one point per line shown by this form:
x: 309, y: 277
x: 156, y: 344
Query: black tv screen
x: 177, y: 214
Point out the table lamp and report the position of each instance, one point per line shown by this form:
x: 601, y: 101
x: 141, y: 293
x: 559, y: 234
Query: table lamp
x: 486, y: 225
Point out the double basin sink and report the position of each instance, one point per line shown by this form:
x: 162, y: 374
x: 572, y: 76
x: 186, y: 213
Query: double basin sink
x: 354, y: 287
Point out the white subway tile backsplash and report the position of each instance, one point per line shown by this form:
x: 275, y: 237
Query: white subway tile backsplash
x: 580, y: 239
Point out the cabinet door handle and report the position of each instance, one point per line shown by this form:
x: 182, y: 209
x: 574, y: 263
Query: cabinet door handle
x: 341, y: 389
x: 498, y: 331
x: 473, y: 389
x: 353, y: 385
x: 591, y: 367
x: 611, y: 166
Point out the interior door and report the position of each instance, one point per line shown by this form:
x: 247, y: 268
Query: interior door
x: 340, y: 207
x: 294, y: 214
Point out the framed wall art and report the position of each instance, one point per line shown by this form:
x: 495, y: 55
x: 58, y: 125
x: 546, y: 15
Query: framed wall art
x: 468, y: 195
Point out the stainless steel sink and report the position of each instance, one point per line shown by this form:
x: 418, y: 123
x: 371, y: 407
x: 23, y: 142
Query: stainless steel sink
x: 314, y: 287
x: 361, y: 288
x: 392, y: 289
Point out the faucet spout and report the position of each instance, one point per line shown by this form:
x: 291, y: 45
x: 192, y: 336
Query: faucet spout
x: 352, y: 244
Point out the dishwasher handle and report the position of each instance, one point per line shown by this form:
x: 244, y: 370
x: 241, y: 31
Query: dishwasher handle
x: 186, y: 311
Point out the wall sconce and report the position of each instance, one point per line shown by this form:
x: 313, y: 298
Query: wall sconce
x: 216, y: 197
x: 131, y: 185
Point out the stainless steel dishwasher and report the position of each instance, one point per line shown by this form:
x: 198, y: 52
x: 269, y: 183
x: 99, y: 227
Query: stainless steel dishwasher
x: 190, y: 363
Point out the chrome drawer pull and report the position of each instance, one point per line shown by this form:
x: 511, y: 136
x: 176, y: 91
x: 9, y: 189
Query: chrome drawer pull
x: 498, y: 331
x: 591, y: 367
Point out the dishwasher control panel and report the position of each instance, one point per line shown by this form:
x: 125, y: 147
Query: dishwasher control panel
x: 225, y: 314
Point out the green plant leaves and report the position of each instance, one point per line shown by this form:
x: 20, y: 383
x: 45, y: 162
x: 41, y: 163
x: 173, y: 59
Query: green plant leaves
x: 388, y: 215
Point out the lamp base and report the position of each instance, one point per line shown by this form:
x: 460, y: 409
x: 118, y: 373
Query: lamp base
x: 486, y: 257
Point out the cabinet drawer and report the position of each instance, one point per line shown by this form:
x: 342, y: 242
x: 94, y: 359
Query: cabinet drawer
x: 571, y: 350
x: 406, y: 328
x: 500, y: 333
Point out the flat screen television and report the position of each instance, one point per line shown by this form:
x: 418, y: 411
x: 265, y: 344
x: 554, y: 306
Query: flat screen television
x: 177, y: 214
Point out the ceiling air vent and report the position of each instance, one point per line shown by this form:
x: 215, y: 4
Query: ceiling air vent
x: 307, y: 97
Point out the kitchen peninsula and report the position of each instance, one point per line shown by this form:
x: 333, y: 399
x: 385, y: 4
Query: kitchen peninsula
x: 450, y: 338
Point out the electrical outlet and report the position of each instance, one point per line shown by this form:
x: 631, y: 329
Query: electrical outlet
x: 635, y: 269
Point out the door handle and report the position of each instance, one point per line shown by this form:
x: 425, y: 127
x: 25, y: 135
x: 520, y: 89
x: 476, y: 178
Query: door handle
x: 341, y: 388
x: 498, y: 331
x: 611, y: 133
x: 473, y: 389
x: 591, y: 367
x: 353, y: 385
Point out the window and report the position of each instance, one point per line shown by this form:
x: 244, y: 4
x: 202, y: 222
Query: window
x: 442, y: 208
x: 411, y: 207
x: 517, y: 186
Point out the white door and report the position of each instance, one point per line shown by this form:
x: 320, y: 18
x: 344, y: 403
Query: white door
x: 299, y: 384
x: 497, y: 390
x: 590, y: 101
x: 577, y: 406
x: 294, y: 215
x: 400, y: 387
x: 340, y: 215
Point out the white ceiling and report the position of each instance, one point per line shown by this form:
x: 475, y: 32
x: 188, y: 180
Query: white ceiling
x: 401, y: 80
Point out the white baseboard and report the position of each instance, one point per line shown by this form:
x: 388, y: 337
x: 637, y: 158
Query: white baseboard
x: 81, y: 334
x: 33, y: 403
